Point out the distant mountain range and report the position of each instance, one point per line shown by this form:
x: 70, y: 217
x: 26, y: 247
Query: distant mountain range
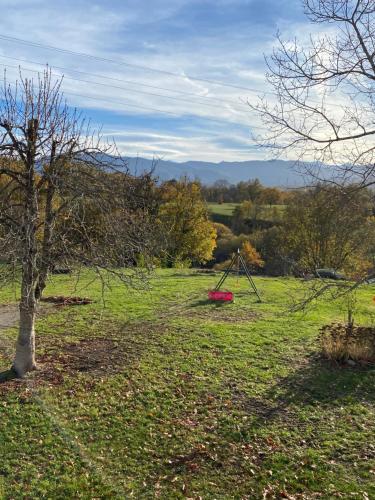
x: 270, y: 173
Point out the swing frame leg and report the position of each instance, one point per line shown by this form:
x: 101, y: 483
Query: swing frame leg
x: 226, y: 273
x: 249, y: 277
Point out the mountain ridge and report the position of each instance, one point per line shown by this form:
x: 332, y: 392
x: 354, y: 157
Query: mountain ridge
x: 276, y: 173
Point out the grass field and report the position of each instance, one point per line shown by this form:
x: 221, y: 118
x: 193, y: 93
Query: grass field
x: 222, y: 208
x: 163, y: 395
x: 226, y: 210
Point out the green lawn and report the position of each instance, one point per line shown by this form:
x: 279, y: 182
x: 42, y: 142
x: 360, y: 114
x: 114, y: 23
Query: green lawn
x: 163, y: 395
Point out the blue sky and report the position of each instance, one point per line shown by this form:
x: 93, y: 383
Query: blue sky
x: 152, y: 113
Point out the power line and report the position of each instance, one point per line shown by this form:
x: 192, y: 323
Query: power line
x: 249, y: 89
x: 122, y: 88
x: 148, y: 108
x: 132, y: 82
x: 122, y: 63
x: 215, y: 120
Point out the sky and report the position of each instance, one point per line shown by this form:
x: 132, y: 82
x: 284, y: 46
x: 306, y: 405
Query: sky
x: 165, y: 79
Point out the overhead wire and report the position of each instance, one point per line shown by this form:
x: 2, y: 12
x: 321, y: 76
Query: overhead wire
x: 131, y: 82
x: 121, y: 63
x: 143, y: 67
x: 181, y: 99
x: 149, y: 108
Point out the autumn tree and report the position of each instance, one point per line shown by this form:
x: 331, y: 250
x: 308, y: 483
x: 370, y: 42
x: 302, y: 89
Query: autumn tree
x: 190, y: 235
x: 270, y: 196
x: 54, y: 173
x: 223, y: 232
x: 251, y: 256
x: 325, y: 228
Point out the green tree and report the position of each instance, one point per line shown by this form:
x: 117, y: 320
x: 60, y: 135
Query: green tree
x: 246, y: 216
x: 325, y: 228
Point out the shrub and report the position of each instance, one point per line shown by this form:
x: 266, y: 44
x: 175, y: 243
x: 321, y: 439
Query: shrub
x: 341, y: 342
x: 227, y: 246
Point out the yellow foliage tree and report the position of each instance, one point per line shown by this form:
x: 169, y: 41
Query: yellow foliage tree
x: 190, y: 235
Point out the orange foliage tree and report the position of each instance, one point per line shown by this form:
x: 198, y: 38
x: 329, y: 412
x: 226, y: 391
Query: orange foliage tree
x: 251, y: 256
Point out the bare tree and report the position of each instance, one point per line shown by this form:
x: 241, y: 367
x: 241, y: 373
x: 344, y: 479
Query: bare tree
x: 323, y: 107
x: 65, y: 198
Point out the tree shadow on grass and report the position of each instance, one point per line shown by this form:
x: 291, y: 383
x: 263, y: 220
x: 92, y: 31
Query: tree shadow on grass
x: 208, y: 302
x: 321, y: 381
x: 316, y: 383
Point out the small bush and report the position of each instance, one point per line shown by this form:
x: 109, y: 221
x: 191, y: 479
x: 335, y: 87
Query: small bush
x: 342, y: 342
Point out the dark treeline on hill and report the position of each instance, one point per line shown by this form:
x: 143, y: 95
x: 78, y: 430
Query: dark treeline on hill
x: 269, y: 172
x: 224, y: 192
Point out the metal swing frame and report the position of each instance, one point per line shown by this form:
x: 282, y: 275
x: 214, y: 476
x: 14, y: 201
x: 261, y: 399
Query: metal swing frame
x: 239, y: 260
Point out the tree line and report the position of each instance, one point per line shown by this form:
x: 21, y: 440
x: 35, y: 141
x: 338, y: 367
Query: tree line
x: 252, y: 190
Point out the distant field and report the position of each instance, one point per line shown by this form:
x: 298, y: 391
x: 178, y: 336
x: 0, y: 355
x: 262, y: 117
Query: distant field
x: 226, y: 210
x: 223, y: 208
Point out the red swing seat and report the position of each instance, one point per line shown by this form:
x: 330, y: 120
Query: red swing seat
x: 220, y: 295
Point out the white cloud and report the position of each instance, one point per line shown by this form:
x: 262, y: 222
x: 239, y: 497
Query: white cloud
x: 124, y: 32
x: 185, y: 147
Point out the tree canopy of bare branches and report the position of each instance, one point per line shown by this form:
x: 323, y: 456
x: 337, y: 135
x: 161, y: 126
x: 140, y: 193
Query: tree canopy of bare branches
x: 66, y: 198
x: 323, y: 107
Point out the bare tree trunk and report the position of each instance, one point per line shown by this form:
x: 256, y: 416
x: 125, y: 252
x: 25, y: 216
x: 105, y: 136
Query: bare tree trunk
x: 25, y: 349
x: 24, y: 360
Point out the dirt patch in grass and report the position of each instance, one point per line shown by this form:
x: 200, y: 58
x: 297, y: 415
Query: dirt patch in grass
x: 60, y: 300
x: 99, y: 355
x: 58, y: 358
